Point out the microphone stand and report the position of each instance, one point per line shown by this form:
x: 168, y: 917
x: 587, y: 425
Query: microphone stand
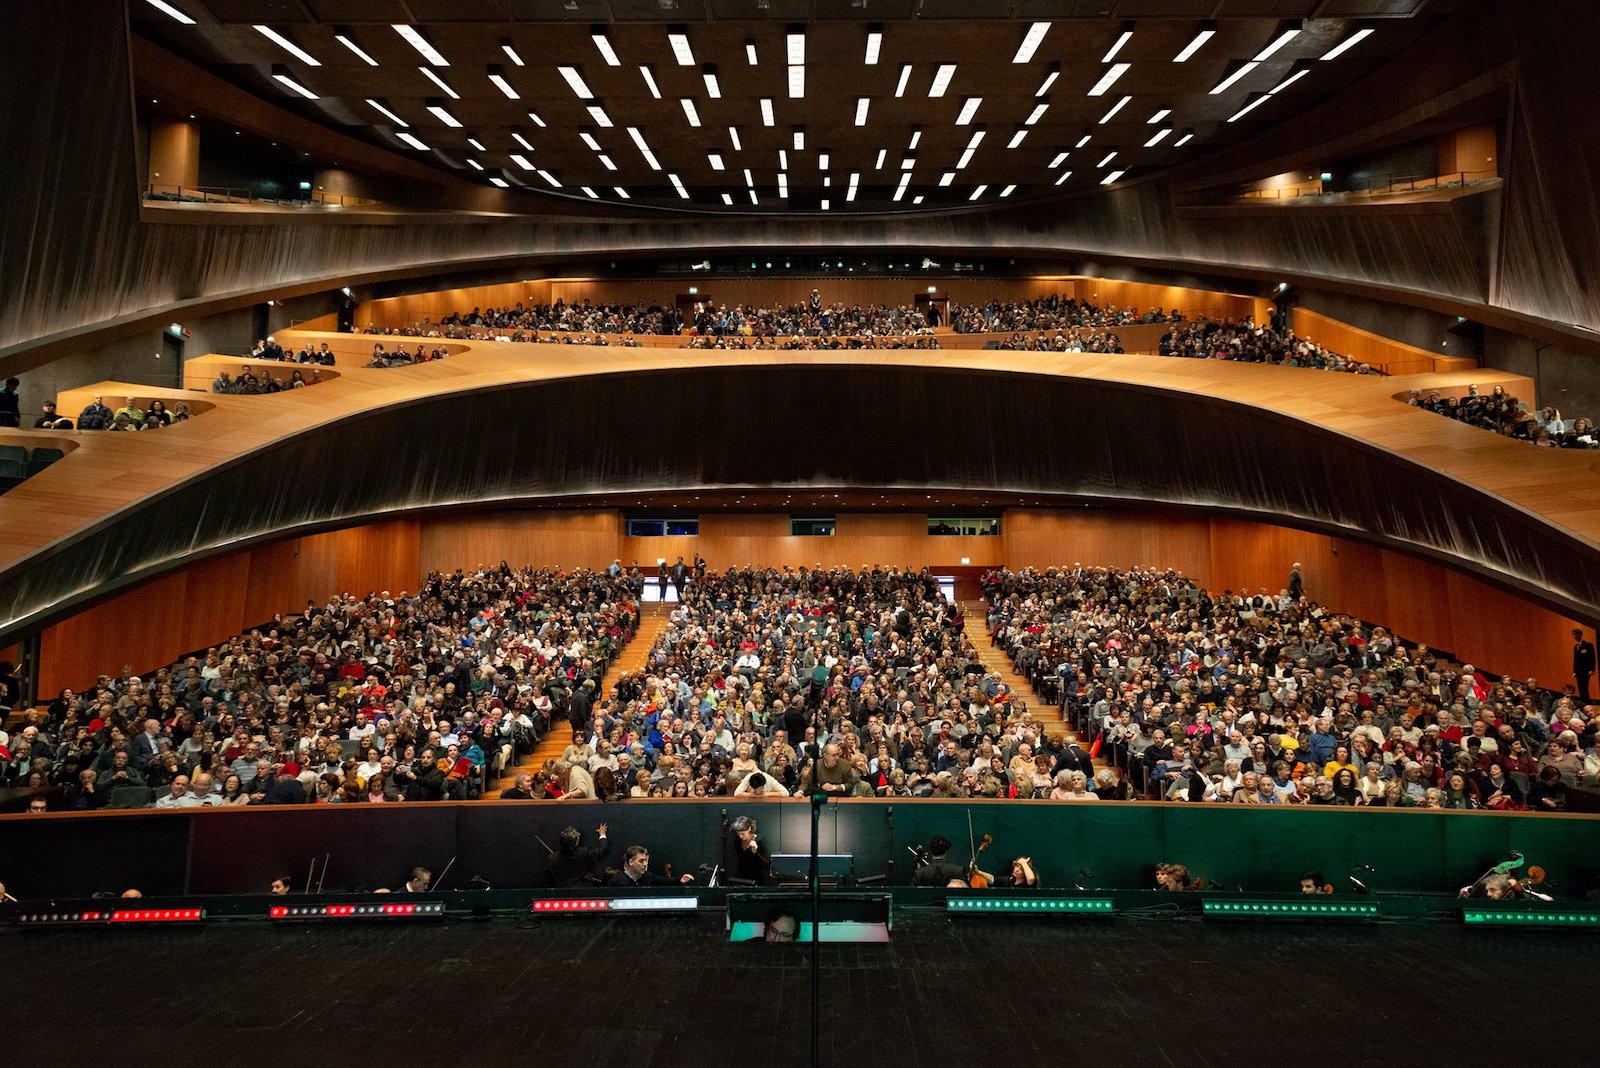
x: 818, y: 800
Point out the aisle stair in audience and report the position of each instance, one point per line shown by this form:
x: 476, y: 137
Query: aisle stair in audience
x: 652, y: 620
x: 995, y: 660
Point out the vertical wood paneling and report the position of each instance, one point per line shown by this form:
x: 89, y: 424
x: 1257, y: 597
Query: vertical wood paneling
x: 586, y: 538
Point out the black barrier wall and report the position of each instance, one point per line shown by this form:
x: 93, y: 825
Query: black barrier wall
x: 1102, y: 845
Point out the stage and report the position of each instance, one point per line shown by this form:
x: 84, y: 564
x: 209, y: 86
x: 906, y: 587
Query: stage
x: 657, y: 991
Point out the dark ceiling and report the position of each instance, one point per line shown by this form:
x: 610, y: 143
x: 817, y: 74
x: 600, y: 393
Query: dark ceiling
x: 909, y: 151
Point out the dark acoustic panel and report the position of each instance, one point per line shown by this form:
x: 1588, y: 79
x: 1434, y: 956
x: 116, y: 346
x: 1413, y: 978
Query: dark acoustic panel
x: 866, y: 426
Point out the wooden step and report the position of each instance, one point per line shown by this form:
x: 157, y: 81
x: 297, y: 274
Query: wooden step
x: 634, y: 656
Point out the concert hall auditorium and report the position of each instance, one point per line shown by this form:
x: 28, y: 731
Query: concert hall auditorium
x: 827, y: 519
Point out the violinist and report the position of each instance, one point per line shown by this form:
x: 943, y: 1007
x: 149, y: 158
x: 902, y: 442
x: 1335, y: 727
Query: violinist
x: 940, y: 871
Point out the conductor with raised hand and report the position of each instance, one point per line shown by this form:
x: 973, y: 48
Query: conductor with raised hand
x: 573, y: 862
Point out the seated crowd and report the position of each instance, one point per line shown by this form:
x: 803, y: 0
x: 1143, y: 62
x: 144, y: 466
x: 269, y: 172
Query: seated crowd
x: 401, y: 358
x: 1262, y: 699
x: 248, y: 383
x: 814, y: 344
x: 1502, y: 413
x: 812, y: 320
x: 267, y: 348
x: 1073, y: 340
x: 1054, y: 313
x: 131, y: 416
x: 519, y: 322
x: 1242, y: 340
x: 756, y: 665
x: 369, y: 699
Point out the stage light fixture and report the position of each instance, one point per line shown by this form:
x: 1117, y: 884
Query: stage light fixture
x: 397, y: 910
x: 1026, y: 905
x: 1290, y: 909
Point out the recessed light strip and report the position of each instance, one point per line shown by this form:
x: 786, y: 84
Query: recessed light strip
x: 391, y: 116
x: 162, y: 5
x: 1207, y: 31
x: 420, y: 43
x: 1109, y: 78
x: 443, y: 85
x: 289, y: 46
x: 349, y: 42
x: 1118, y: 106
x: 1228, y: 83
x: 1116, y: 46
x: 1362, y: 32
x: 1030, y: 42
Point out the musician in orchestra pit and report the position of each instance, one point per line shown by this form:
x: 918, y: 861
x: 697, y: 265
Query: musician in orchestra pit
x: 747, y: 857
x: 1312, y: 883
x: 636, y: 871
x: 1497, y: 886
x: 940, y: 871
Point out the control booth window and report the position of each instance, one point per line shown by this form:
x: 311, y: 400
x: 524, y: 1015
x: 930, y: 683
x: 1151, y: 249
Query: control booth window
x: 816, y: 526
x: 656, y: 527
x: 967, y: 526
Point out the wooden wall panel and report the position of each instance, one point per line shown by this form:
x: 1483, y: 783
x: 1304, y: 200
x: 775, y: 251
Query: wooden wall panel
x: 587, y: 538
x: 1395, y: 357
x: 273, y: 586
x: 150, y: 626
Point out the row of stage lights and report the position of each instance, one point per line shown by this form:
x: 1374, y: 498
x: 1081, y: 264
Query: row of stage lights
x: 957, y: 904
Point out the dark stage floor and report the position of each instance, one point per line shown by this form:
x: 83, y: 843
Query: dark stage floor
x: 648, y: 992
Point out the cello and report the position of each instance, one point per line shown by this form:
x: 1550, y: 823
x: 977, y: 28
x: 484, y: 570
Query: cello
x: 977, y: 878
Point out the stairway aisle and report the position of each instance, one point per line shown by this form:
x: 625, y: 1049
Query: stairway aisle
x: 995, y: 659
x: 652, y: 621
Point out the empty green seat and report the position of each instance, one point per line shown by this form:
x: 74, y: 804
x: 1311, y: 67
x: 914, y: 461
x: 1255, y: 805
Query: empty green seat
x: 45, y: 456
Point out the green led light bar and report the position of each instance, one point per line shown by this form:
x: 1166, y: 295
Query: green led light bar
x: 1030, y: 905
x: 1291, y: 909
x: 1531, y: 918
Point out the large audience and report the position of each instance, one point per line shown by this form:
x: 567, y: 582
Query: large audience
x: 1243, y: 340
x: 1503, y: 414
x: 1052, y: 313
x: 363, y: 699
x: 1270, y: 699
x: 872, y: 665
x: 1174, y: 693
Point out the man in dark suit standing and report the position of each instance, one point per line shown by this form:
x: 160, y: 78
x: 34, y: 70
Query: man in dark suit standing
x: 1582, y: 664
x: 939, y: 871
x: 1073, y: 758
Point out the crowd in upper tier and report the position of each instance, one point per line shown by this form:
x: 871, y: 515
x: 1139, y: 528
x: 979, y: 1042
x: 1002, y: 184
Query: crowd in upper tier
x: 1271, y: 699
x: 1052, y: 313
x: 1244, y: 340
x: 1502, y: 413
x: 378, y: 698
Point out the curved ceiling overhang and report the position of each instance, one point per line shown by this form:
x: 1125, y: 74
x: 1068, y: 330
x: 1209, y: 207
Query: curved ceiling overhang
x: 792, y: 421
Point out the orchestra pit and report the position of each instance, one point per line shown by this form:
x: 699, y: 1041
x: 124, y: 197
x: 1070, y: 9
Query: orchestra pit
x: 610, y: 530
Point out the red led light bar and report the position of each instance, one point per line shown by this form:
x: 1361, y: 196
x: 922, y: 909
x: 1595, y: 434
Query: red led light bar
x: 676, y: 903
x: 577, y: 904
x: 395, y: 910
x: 86, y: 917
x: 158, y: 915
